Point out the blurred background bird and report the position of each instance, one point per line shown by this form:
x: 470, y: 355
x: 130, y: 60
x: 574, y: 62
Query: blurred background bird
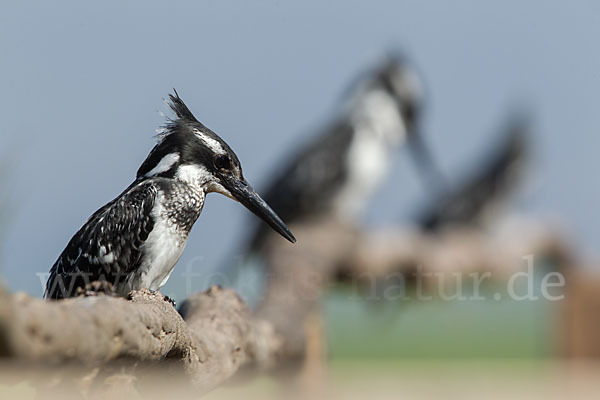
x: 336, y: 173
x: 476, y: 201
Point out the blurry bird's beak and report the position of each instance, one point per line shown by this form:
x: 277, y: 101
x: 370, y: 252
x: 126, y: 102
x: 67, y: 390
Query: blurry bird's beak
x: 244, y: 193
x: 426, y: 163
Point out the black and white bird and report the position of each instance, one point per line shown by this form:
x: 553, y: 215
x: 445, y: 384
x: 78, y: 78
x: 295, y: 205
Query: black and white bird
x: 476, y: 200
x: 135, y: 240
x: 337, y: 172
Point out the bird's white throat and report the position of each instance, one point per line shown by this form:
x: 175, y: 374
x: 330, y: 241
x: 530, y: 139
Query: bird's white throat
x: 377, y: 112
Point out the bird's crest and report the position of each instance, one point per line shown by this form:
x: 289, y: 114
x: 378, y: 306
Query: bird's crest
x: 180, y: 109
x: 182, y: 112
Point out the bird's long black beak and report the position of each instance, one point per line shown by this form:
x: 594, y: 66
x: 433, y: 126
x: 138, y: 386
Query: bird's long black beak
x: 432, y: 175
x: 244, y: 193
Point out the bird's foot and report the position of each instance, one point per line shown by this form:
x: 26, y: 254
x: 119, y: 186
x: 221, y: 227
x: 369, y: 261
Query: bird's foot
x: 165, y: 297
x: 170, y: 300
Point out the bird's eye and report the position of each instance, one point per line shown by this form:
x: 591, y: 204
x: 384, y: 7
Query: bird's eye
x: 222, y: 162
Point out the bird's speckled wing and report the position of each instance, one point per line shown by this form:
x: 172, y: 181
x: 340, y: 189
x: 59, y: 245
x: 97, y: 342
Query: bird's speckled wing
x: 108, y: 245
x: 306, y: 185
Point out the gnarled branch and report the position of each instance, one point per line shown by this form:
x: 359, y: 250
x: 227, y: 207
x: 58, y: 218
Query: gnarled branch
x: 216, y: 333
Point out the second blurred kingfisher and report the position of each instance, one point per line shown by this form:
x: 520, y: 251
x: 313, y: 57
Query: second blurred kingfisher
x: 336, y: 173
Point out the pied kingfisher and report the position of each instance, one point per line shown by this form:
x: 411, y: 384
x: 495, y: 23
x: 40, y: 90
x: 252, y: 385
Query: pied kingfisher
x: 134, y: 241
x: 336, y: 172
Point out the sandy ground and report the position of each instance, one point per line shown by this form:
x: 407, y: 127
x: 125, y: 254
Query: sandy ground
x: 428, y: 379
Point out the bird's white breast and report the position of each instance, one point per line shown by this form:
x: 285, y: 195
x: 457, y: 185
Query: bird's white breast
x: 162, y: 251
x: 379, y: 129
x: 367, y: 164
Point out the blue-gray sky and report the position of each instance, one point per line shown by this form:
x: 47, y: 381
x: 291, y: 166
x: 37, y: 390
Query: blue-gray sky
x: 82, y: 86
